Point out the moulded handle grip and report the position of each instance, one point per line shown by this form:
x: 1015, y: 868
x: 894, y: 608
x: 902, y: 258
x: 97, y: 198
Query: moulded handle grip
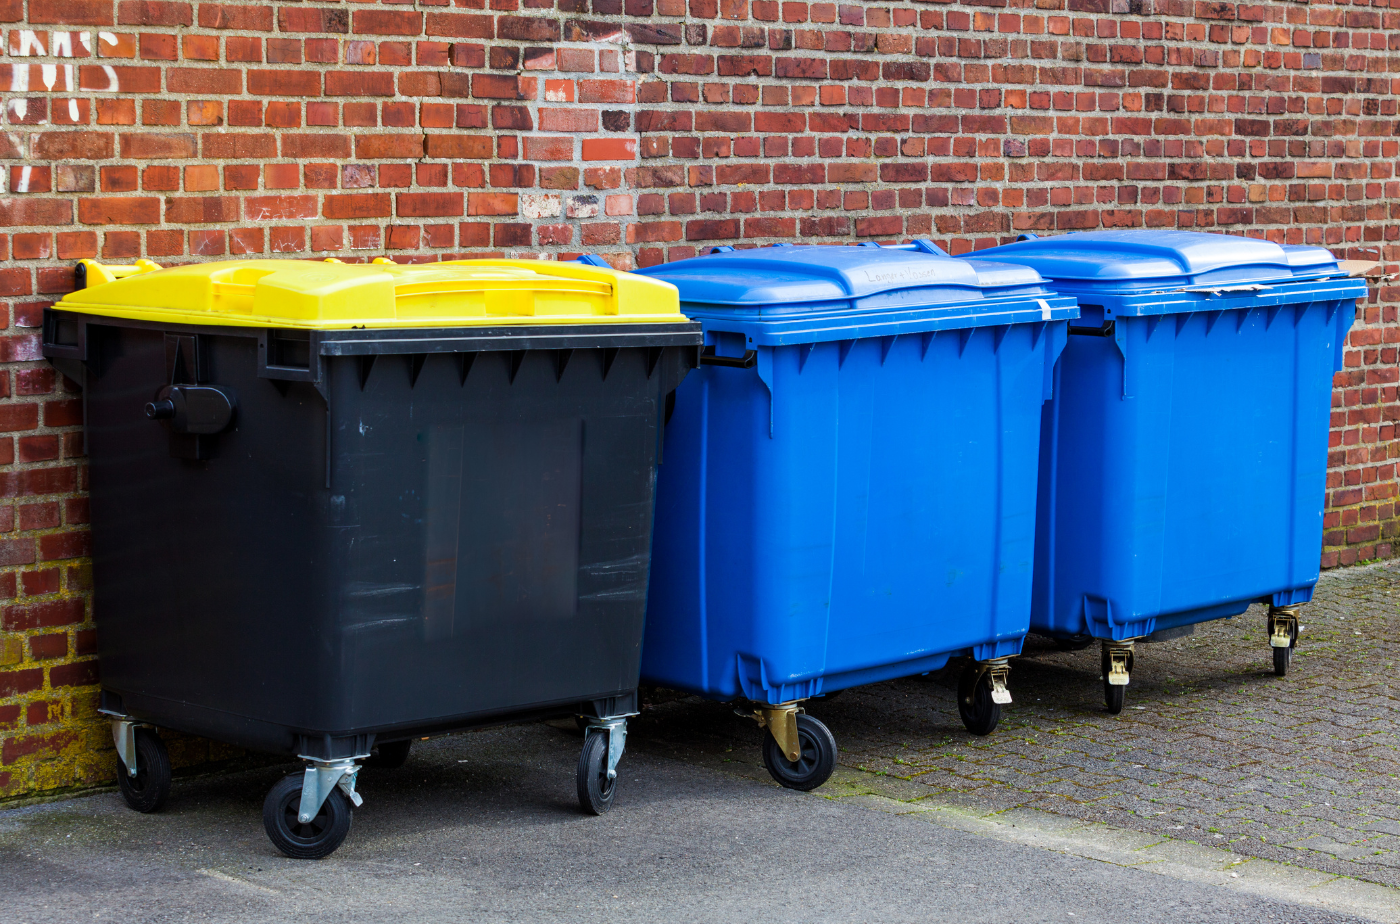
x: 1103, y: 330
x: 89, y: 273
x: 747, y: 361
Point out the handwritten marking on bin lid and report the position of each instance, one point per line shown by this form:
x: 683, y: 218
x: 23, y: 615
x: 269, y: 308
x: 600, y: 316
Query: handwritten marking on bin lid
x: 901, y: 274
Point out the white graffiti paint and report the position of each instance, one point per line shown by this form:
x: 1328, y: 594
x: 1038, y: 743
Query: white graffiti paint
x: 19, y: 83
x: 22, y: 184
x: 55, y: 76
x: 114, y: 84
x: 29, y: 44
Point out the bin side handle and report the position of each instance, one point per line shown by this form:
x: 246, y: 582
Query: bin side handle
x: 1103, y: 330
x: 708, y: 357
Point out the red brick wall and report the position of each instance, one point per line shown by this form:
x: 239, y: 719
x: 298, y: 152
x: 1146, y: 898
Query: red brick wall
x: 645, y: 130
x: 1362, y: 520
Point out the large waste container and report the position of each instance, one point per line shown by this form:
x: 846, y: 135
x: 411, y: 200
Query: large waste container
x: 338, y: 507
x: 1184, y: 453
x: 849, y: 487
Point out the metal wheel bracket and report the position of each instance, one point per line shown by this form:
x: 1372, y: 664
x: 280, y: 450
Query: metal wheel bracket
x: 1283, y: 626
x: 615, y: 727
x: 781, y: 722
x: 124, y: 735
x: 998, y: 670
x: 321, y: 777
x: 1119, y: 656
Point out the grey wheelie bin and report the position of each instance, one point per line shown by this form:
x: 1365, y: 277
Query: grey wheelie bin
x: 336, y: 508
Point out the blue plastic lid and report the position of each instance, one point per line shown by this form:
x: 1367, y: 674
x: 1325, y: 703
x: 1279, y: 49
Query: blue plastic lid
x: 1135, y: 261
x: 830, y: 292
x: 810, y: 275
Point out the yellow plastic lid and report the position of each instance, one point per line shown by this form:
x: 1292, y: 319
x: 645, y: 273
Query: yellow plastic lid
x: 330, y: 295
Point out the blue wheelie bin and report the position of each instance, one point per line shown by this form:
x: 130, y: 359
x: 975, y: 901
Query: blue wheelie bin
x: 1184, y: 454
x: 848, y: 487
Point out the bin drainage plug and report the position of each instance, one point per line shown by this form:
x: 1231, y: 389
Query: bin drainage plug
x: 1119, y: 658
x: 124, y: 735
x: 322, y: 776
x: 781, y: 722
x: 615, y: 727
x: 1283, y: 626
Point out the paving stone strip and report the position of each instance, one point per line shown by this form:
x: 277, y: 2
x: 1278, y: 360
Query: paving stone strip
x: 1212, y: 750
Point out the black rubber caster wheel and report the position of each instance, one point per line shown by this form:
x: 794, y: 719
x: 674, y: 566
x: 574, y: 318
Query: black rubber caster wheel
x: 1073, y: 642
x: 1282, y: 658
x: 147, y: 790
x: 390, y: 755
x: 310, y: 840
x: 814, y: 767
x: 1113, y: 695
x: 595, y: 790
x: 979, y: 714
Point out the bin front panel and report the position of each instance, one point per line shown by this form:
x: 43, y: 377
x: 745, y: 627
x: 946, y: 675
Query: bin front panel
x: 496, y: 535
x: 418, y: 549
x: 1185, y: 467
x: 863, y: 515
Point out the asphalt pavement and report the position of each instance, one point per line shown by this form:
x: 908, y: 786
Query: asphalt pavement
x: 484, y: 826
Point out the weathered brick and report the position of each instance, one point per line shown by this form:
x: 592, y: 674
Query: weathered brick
x: 23, y: 618
x: 213, y: 81
x: 224, y: 15
x: 196, y: 210
x: 65, y: 146
x: 238, y: 146
x: 118, y: 210
x: 16, y: 683
x: 388, y: 22
x: 152, y: 145
x: 363, y: 205
x: 459, y: 146
x: 427, y: 205
x: 70, y: 12
x: 154, y: 13
x: 279, y: 208
x: 314, y: 146
x: 359, y: 83
x: 461, y: 25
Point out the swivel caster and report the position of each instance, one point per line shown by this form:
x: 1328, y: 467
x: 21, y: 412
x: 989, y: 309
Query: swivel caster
x: 1116, y: 660
x: 307, y: 815
x: 603, y: 743
x: 143, y: 765
x: 1283, y: 636
x: 305, y: 840
x: 981, y: 693
x: 798, y: 751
